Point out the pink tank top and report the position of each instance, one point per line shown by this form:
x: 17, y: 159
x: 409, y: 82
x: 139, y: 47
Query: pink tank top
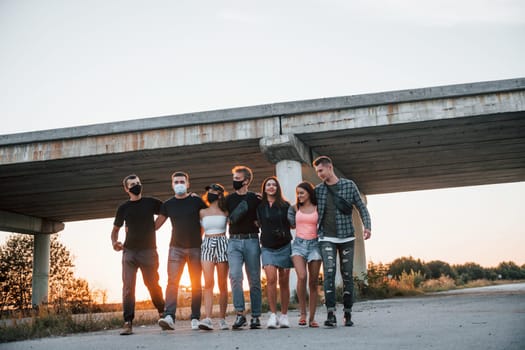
x: 306, y: 225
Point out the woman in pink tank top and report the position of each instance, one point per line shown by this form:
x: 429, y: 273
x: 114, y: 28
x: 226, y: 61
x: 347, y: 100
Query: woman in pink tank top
x: 306, y: 256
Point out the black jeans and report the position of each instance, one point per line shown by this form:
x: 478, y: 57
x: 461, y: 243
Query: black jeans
x: 329, y: 252
x: 147, y: 261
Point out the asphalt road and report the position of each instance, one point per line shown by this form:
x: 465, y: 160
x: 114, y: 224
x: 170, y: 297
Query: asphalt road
x: 479, y: 318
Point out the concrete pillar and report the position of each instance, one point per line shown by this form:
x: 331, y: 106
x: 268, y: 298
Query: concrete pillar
x: 360, y: 268
x: 290, y: 175
x: 41, y: 228
x: 41, y: 257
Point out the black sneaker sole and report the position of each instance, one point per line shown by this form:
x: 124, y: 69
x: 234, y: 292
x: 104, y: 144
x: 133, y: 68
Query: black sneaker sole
x: 239, y: 326
x: 165, y: 326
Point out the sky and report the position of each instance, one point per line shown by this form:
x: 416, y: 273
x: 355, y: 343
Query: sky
x: 69, y: 63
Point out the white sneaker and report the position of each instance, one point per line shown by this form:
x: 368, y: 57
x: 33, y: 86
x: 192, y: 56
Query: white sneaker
x: 195, y: 324
x: 223, y: 325
x: 167, y: 323
x: 283, y: 321
x: 205, y: 324
x: 272, y: 321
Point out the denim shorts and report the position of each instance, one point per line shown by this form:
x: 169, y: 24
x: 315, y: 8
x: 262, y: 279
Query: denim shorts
x: 279, y: 257
x: 307, y: 248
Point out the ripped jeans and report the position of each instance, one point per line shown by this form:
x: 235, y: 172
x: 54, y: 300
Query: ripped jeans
x: 329, y: 252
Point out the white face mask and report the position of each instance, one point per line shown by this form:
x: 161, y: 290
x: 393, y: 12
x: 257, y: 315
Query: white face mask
x: 179, y: 189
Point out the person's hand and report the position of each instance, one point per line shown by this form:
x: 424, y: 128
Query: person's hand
x: 367, y: 234
x: 118, y: 246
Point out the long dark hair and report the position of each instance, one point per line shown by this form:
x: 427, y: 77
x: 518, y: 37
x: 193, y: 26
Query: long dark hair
x: 280, y: 201
x: 308, y: 187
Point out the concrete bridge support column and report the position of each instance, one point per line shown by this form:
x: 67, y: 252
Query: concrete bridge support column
x: 289, y: 174
x: 288, y: 153
x: 41, y: 257
x: 360, y: 268
x: 41, y: 229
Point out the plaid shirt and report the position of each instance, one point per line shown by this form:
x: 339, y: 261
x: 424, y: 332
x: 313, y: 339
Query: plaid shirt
x: 349, y: 191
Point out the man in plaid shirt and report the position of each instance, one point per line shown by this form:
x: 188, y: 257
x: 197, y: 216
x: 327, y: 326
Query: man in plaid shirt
x: 336, y: 234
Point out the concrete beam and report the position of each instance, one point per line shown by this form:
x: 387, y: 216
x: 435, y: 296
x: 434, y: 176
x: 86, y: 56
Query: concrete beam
x: 268, y: 110
x: 404, y: 112
x: 285, y: 147
x: 99, y: 145
x: 18, y: 223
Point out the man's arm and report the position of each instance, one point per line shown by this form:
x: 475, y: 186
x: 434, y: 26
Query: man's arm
x: 292, y: 210
x: 159, y: 221
x: 117, y: 245
x: 363, y: 212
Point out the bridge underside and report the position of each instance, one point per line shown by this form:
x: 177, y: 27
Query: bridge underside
x: 381, y: 159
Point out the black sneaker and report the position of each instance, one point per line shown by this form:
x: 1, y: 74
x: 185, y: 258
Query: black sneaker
x: 348, y: 319
x: 240, y: 321
x: 255, y: 323
x: 331, y: 321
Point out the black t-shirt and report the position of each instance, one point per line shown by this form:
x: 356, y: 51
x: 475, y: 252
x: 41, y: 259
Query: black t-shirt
x: 247, y: 223
x: 140, y: 223
x: 275, y: 228
x: 185, y: 221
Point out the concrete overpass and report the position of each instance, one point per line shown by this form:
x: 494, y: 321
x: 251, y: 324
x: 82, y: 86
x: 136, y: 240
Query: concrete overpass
x: 437, y: 137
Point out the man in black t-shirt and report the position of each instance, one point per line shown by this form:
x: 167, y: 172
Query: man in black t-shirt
x: 139, y: 248
x: 185, y: 247
x: 243, y: 246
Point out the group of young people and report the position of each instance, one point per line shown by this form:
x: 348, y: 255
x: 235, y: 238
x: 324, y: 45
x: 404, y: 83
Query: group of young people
x: 228, y: 231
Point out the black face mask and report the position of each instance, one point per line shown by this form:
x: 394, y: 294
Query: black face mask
x: 237, y: 185
x: 136, y: 189
x: 212, y: 197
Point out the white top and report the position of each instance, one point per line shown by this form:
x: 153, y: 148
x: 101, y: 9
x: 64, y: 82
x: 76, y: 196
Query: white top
x: 213, y: 224
x: 336, y: 240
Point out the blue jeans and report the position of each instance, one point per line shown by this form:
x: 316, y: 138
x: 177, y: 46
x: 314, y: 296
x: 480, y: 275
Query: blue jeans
x: 248, y: 252
x: 329, y: 252
x: 147, y: 261
x: 178, y: 257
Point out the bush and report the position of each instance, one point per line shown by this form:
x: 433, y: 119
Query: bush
x: 469, y: 272
x: 404, y: 264
x: 510, y: 271
x: 440, y: 268
x: 375, y: 284
x: 437, y: 285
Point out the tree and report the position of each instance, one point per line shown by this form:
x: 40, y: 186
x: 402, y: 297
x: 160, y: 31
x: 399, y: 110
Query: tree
x: 440, y: 268
x: 470, y: 272
x: 510, y: 271
x: 404, y: 264
x: 16, y: 266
